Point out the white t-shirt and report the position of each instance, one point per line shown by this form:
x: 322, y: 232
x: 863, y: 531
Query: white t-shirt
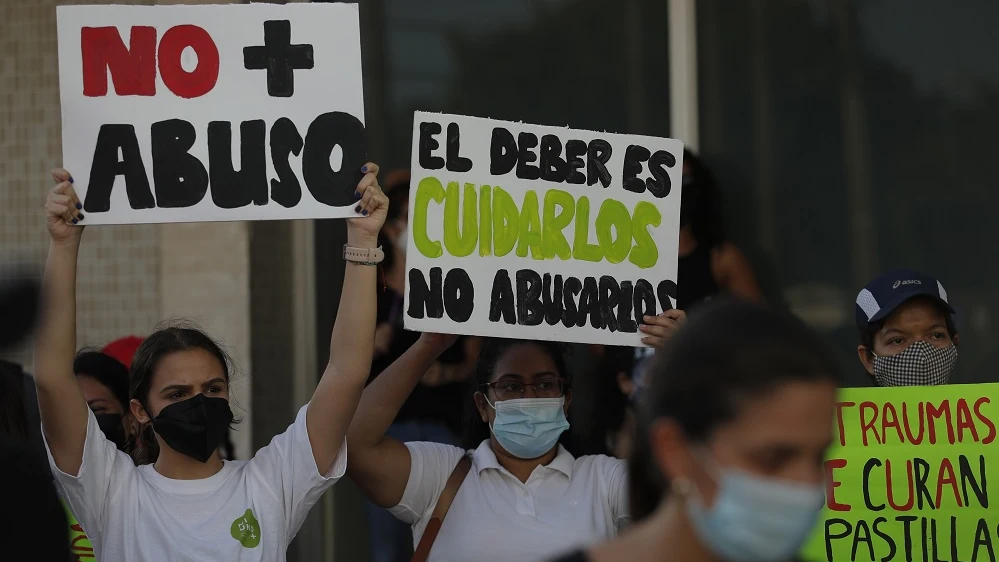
x: 248, y: 512
x: 569, y: 503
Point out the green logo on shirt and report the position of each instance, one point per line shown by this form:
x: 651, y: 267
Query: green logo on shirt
x: 246, y: 530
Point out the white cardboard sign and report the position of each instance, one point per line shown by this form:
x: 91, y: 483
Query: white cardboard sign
x: 525, y: 231
x: 212, y: 113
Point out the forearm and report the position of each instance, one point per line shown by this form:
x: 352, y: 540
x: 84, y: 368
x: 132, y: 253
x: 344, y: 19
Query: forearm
x: 351, y: 346
x: 384, y: 397
x: 62, y: 407
x: 352, y: 343
x: 55, y: 341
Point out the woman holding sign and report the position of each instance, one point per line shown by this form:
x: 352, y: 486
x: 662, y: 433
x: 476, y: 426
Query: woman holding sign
x: 730, y: 445
x: 189, y: 504
x: 525, y: 496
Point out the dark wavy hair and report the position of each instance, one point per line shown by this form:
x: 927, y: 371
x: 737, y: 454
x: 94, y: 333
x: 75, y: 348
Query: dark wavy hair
x: 153, y: 349
x: 493, y: 349
x: 701, y: 386
x: 104, y: 369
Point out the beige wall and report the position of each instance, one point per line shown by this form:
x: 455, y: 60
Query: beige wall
x: 119, y: 282
x: 131, y: 277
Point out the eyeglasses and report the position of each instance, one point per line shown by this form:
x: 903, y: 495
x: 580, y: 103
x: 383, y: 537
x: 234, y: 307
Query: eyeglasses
x: 551, y: 387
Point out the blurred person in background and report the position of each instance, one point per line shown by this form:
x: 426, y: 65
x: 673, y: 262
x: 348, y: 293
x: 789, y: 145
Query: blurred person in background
x: 732, y: 432
x: 612, y: 407
x: 33, y: 523
x: 707, y: 263
x: 433, y: 411
x: 123, y: 349
x: 908, y: 336
x: 13, y: 413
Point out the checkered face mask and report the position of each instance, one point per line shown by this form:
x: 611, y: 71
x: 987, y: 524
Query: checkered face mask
x: 921, y: 364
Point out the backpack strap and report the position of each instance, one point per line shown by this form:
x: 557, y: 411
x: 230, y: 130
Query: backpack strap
x: 440, y: 510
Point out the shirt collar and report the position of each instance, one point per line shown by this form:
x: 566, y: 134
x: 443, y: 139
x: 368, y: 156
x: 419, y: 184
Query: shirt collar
x: 485, y: 458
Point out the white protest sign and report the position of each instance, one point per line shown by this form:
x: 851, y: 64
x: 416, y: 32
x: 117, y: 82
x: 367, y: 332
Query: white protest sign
x: 524, y: 231
x: 212, y: 113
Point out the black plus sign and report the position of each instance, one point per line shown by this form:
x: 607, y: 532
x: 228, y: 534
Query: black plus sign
x: 279, y: 57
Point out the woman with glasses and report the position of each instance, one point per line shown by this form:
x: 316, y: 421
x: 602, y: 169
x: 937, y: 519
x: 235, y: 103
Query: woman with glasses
x: 525, y: 496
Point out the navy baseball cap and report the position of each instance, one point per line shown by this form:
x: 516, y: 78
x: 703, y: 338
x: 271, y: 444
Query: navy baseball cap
x: 886, y: 293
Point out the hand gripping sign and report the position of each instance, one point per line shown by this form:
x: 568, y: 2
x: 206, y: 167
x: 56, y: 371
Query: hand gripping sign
x: 212, y: 113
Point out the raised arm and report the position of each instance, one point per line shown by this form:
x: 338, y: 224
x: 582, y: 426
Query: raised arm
x: 60, y: 400
x: 379, y: 464
x: 734, y: 273
x: 352, y: 344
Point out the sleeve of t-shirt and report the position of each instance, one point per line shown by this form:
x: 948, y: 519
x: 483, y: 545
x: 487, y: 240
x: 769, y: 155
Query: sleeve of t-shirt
x: 288, y: 467
x: 431, y: 465
x: 89, y: 492
x: 616, y: 476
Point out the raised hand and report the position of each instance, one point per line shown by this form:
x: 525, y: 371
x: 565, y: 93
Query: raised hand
x: 659, y: 329
x: 372, y: 204
x: 62, y: 210
x: 440, y: 342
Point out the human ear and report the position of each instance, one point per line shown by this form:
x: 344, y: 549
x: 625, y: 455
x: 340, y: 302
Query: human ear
x: 866, y: 359
x: 482, y: 405
x: 139, y: 412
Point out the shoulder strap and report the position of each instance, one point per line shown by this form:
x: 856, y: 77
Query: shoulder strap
x: 440, y: 510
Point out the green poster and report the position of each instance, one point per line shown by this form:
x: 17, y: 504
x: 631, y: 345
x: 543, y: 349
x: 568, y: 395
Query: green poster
x: 911, y: 476
x: 79, y: 544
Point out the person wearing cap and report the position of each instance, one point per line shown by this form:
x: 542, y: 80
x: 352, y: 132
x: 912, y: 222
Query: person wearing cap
x: 907, y: 331
x: 123, y: 349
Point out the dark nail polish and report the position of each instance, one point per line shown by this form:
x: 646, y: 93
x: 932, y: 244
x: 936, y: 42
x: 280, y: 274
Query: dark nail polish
x: 80, y: 216
x: 364, y: 170
x: 70, y: 179
x: 357, y: 209
x: 74, y: 221
x: 79, y: 206
x: 357, y: 195
x: 364, y: 212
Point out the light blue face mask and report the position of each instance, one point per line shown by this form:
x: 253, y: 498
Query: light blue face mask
x: 757, y: 519
x: 529, y: 427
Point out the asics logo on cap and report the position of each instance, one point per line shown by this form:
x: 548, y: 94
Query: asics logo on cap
x: 899, y: 283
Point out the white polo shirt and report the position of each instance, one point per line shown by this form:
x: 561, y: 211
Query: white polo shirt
x: 570, y: 503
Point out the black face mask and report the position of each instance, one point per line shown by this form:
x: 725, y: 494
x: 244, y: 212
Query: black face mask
x: 112, y: 428
x: 194, y: 427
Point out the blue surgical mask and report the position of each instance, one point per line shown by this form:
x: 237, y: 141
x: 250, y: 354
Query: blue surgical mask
x: 529, y: 427
x: 756, y: 519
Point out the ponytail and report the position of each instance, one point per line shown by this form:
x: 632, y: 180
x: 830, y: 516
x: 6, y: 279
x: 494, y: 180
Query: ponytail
x: 144, y: 448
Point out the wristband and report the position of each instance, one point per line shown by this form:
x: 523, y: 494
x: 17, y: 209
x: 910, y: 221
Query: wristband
x: 363, y: 256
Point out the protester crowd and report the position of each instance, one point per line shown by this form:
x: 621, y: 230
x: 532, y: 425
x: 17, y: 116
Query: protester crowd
x: 712, y: 444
